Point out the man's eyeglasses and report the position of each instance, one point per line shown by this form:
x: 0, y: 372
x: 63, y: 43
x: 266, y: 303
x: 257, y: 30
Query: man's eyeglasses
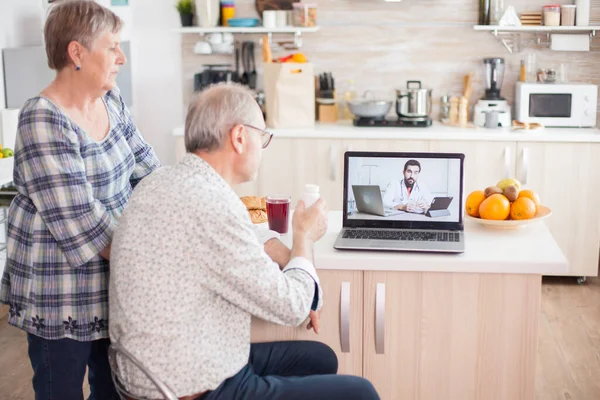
x: 264, y: 135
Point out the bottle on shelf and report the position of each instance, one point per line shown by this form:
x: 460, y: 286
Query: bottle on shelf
x: 484, y: 12
x: 349, y: 94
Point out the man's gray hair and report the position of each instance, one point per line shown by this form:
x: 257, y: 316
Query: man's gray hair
x: 214, y: 112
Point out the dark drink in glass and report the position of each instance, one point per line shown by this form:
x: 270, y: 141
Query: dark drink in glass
x: 278, y: 213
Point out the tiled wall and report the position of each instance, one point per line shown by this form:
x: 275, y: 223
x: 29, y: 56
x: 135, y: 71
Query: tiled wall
x: 382, y: 45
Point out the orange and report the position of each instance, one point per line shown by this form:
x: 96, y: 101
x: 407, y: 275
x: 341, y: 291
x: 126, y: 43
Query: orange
x: 523, y: 208
x: 530, y: 194
x: 473, y: 202
x: 495, y: 207
x: 299, y: 58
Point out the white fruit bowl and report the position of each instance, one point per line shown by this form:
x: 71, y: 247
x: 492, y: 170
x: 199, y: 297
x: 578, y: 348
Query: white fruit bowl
x: 509, y: 224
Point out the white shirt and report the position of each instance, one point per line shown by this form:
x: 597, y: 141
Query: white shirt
x: 396, y: 193
x: 187, y: 273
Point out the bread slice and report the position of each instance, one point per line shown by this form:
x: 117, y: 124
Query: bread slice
x: 254, y: 203
x: 258, y: 216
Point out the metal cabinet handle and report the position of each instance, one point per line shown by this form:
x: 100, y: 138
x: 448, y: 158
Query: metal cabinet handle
x: 507, y: 168
x: 345, y: 317
x: 333, y: 168
x: 525, y: 165
x: 380, y: 319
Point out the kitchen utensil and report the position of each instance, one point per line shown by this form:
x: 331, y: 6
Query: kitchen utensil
x: 369, y: 108
x: 207, y: 12
x: 222, y: 48
x: 326, y: 86
x: 413, y: 102
x: 215, y: 38
x: 213, y: 74
x: 202, y: 47
x: 252, y: 66
x: 236, y: 73
x: 445, y: 108
x: 480, y: 113
x: 494, y: 75
x: 547, y: 75
x: 492, y: 119
x: 492, y: 101
x: 260, y: 100
x: 243, y: 22
x: 266, y: 47
x: 304, y: 14
x: 281, y: 18
x: 468, y: 85
x: 269, y: 19
x: 245, y: 79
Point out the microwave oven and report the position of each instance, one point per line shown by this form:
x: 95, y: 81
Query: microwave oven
x: 557, y: 105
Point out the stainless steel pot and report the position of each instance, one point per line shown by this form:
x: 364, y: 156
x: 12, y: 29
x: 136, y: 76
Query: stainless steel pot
x: 369, y: 108
x: 413, y: 102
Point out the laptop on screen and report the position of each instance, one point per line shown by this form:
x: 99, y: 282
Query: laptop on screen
x: 403, y: 202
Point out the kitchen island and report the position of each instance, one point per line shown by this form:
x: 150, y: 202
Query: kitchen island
x: 433, y: 326
x: 560, y: 164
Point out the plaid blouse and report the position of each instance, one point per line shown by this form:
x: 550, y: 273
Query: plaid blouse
x: 71, y: 191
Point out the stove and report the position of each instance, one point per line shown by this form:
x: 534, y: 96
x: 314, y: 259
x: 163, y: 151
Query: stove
x: 394, y: 123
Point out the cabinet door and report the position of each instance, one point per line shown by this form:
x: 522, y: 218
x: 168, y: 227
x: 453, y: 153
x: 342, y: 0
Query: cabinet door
x: 290, y: 163
x: 341, y: 320
x: 566, y: 177
x: 451, y: 336
x: 485, y: 162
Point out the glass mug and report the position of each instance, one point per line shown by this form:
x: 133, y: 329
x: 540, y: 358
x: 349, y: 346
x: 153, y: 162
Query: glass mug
x: 278, y: 213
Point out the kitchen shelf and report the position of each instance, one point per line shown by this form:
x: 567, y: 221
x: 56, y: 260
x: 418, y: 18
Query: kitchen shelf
x: 250, y: 30
x: 496, y: 29
x: 513, y: 34
x: 297, y: 31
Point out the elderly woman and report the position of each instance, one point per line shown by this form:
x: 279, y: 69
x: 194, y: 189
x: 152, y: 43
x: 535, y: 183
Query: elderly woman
x: 78, y: 157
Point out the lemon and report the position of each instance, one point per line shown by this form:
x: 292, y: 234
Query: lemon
x: 504, y: 183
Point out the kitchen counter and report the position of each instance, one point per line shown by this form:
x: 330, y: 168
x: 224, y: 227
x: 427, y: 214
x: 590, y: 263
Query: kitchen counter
x: 437, y: 131
x: 467, y: 322
x: 487, y: 251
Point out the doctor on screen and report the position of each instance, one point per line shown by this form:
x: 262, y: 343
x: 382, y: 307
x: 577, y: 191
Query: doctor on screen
x: 408, y: 194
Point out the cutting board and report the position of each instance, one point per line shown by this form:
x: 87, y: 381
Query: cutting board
x: 262, y: 5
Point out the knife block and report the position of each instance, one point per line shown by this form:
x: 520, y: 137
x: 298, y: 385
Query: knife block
x: 327, y: 113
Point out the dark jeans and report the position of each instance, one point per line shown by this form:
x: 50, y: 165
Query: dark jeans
x: 59, y: 368
x: 292, y: 371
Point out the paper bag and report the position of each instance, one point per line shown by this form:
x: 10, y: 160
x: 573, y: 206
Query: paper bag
x: 289, y: 95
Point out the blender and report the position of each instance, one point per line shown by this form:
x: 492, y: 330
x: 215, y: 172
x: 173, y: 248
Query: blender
x: 493, y: 106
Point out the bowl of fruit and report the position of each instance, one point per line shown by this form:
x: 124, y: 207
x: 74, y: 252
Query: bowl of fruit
x: 505, y: 206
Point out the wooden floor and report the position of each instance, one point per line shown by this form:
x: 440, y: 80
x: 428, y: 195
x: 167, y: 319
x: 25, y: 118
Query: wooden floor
x: 568, y: 361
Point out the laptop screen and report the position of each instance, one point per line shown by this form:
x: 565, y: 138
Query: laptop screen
x: 395, y: 188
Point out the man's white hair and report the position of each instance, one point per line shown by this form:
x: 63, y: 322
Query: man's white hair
x: 213, y: 112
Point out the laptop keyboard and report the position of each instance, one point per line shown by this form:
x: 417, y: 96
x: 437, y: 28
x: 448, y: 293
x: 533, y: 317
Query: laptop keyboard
x: 414, y: 236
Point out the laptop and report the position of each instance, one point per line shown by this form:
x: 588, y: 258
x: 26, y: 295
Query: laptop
x: 368, y: 200
x: 433, y: 178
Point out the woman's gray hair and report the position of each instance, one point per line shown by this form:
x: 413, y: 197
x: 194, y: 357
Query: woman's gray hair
x: 79, y: 20
x: 214, y: 112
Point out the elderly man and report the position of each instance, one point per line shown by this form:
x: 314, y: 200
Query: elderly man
x: 188, y: 271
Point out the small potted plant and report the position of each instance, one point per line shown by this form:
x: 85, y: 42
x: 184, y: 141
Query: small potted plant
x: 186, y: 12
